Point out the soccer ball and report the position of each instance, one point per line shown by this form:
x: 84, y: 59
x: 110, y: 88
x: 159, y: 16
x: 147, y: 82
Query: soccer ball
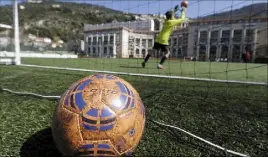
x: 184, y: 4
x: 99, y: 115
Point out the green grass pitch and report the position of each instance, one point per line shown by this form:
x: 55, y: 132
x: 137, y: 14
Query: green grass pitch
x: 231, y: 115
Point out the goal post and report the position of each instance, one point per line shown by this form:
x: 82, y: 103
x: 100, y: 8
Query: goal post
x: 16, y: 32
x: 11, y: 53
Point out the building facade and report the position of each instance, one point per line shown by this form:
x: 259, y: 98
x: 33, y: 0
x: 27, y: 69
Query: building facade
x: 118, y: 42
x: 124, y: 40
x: 202, y: 40
x: 227, y: 40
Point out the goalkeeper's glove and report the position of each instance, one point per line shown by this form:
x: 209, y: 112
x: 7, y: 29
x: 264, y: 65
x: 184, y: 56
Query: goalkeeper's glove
x: 176, y: 8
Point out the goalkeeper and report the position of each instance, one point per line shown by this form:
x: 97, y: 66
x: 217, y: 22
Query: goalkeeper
x: 161, y: 42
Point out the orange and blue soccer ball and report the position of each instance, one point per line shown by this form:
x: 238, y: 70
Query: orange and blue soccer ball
x: 99, y: 115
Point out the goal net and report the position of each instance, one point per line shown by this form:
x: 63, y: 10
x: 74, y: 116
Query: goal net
x: 213, y: 82
x: 7, y: 47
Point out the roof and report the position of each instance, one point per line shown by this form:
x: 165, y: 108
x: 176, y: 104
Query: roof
x: 122, y: 28
x: 226, y: 19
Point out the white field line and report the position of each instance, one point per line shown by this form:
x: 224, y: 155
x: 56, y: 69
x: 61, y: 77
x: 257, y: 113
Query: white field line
x: 146, y: 75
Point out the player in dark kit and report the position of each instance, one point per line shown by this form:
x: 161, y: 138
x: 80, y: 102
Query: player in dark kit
x: 161, y: 42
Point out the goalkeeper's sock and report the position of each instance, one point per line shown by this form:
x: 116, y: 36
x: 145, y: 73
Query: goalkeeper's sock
x: 147, y: 58
x: 163, y: 60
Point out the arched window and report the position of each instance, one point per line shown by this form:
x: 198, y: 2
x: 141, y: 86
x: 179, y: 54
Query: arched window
x: 94, y: 50
x: 137, y: 51
x: 111, y: 51
x: 105, y: 50
x: 143, y: 52
x: 224, y: 51
x: 179, y: 52
x: 212, y: 53
x: 202, y: 53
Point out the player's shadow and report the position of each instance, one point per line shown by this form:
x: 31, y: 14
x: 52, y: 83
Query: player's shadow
x: 134, y: 67
x: 40, y: 144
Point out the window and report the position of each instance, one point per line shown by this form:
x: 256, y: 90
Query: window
x: 117, y: 37
x: 203, y: 34
x: 179, y: 52
x: 214, y: 37
x: 213, y: 53
x: 236, y: 49
x: 214, y: 34
x: 111, y: 51
x: 89, y: 50
x: 203, y: 37
x: 185, y: 38
x: 137, y: 42
x: 137, y: 51
x: 202, y: 49
x: 150, y: 51
x: 180, y: 40
x: 143, y: 42
x: 94, y: 40
x: 224, y: 51
x: 150, y: 43
x: 100, y: 40
x: 105, y: 50
x: 249, y: 35
x: 226, y: 33
x: 174, y: 41
x: 213, y: 50
x: 94, y: 50
x: 111, y: 39
x: 225, y: 36
x: 105, y: 40
x: 143, y: 52
x: 89, y: 40
x: 131, y: 51
x: 237, y: 36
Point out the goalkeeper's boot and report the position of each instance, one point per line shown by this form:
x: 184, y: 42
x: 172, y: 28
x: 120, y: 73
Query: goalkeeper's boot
x: 159, y: 66
x: 143, y: 64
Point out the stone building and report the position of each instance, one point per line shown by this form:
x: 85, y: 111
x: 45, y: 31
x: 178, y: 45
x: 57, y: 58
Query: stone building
x: 123, y: 40
x: 227, y: 40
x: 119, y: 39
x: 203, y: 40
x: 120, y: 42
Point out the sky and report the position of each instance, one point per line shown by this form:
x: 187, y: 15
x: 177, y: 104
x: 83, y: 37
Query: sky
x: 196, y: 8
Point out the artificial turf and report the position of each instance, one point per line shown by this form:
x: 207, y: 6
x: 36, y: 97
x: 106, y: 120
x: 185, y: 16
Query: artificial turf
x: 234, y: 116
x: 211, y: 70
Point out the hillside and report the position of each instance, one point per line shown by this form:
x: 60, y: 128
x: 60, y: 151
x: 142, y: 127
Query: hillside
x: 254, y: 10
x: 65, y: 20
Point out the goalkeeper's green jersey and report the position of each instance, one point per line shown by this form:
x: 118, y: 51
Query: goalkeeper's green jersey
x: 168, y: 26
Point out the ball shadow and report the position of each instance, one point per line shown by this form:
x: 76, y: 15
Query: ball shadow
x: 40, y: 144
